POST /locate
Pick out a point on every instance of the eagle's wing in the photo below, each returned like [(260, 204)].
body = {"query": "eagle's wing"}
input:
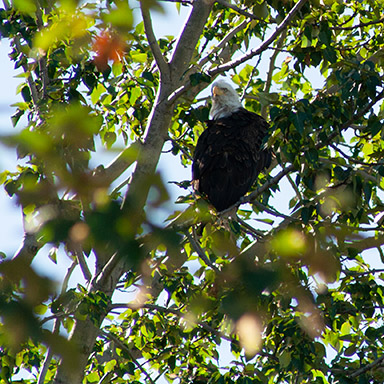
[(229, 156)]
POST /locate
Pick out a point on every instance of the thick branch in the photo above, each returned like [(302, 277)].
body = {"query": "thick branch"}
[(56, 327), (188, 39), (85, 331), (118, 166), (28, 248)]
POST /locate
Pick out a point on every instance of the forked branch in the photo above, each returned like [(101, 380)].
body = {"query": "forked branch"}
[(263, 46)]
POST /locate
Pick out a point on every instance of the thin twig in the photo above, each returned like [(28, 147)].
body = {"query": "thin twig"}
[(263, 46), (367, 367), (155, 48), (271, 68), (238, 10), (42, 61), (214, 72), (176, 312), (104, 274), (121, 345), (354, 118), (271, 211), (370, 272), (361, 25), (83, 265), (199, 250), (272, 181), (184, 2), (294, 187), (223, 42), (254, 70), (255, 232), (352, 160)]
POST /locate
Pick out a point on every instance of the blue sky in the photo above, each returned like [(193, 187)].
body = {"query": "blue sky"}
[(10, 217)]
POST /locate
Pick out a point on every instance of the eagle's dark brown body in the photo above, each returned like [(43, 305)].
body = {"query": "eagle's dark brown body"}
[(229, 156)]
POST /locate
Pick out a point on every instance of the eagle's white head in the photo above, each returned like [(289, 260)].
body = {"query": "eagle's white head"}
[(225, 100)]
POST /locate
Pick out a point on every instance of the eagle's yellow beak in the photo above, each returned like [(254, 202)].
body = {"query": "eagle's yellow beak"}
[(216, 91)]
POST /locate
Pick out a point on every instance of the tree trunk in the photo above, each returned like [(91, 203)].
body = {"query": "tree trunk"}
[(85, 332)]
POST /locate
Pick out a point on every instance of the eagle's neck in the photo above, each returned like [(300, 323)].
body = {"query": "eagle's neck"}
[(219, 111)]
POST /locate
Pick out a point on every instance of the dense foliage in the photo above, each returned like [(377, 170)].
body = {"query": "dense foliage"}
[(283, 294)]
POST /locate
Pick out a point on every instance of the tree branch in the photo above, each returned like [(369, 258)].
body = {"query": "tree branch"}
[(188, 39), (223, 43), (78, 252), (56, 327), (274, 180), (366, 368), (186, 2), (121, 345), (85, 331), (232, 64), (248, 228), (263, 46), (157, 54), (238, 10), (271, 68), (118, 166), (361, 25), (176, 312), (28, 248), (200, 251), (32, 86)]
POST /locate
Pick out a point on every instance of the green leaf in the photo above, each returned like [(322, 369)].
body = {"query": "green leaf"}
[(93, 377), (285, 359), (121, 17), (25, 6), (53, 254), (139, 57), (197, 78)]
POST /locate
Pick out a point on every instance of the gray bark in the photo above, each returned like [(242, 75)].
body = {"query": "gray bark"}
[(85, 332)]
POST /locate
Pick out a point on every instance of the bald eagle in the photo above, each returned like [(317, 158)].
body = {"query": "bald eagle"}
[(229, 154)]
